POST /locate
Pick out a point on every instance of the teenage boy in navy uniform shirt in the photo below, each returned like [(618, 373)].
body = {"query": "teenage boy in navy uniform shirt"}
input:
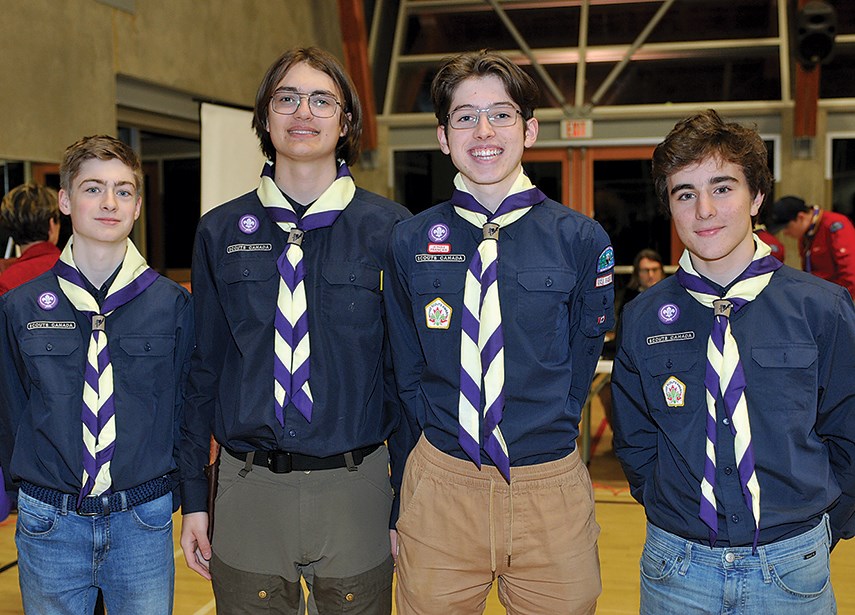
[(291, 372), (733, 398), (93, 359), (498, 303)]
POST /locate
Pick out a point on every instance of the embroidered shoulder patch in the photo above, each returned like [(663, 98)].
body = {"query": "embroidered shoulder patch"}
[(606, 260), (437, 314), (835, 226)]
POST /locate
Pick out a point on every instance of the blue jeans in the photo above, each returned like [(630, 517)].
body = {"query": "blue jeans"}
[(63, 558), (788, 577)]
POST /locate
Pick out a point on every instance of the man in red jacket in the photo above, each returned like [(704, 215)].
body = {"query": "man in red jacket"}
[(826, 239), (31, 214)]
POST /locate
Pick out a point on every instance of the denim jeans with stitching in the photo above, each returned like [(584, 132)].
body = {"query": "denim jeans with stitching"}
[(63, 558), (787, 577)]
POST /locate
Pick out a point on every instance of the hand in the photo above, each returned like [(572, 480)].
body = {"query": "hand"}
[(393, 538), (194, 542)]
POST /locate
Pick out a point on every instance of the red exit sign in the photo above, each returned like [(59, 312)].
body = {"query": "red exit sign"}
[(577, 129)]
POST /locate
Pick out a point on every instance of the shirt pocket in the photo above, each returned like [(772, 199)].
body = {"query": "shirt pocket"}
[(598, 312), (794, 364), (432, 287), (249, 292), (674, 391), (146, 362), (543, 299), (53, 363), (351, 293)]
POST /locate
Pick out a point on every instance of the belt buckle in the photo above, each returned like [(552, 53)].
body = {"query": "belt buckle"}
[(105, 507), (279, 462)]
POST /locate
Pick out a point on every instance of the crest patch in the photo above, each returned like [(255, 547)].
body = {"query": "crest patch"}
[(437, 314), (668, 313), (248, 224), (438, 233), (675, 392), (47, 301)]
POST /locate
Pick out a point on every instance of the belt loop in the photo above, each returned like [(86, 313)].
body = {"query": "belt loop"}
[(247, 467), (63, 508), (348, 460), (764, 565), (123, 496), (687, 559), (826, 521), (105, 504)]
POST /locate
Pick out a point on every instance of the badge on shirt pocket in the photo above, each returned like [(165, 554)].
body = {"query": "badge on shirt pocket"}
[(437, 314), (675, 392)]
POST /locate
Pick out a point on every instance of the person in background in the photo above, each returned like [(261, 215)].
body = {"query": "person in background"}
[(826, 239), (734, 402), (291, 370), (93, 359), (775, 245), (31, 215), (647, 270), (498, 302)]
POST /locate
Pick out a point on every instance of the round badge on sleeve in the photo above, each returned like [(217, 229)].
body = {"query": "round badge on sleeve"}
[(248, 224), (669, 313), (438, 233), (48, 301)]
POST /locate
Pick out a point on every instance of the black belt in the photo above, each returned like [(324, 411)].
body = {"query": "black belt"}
[(101, 504), (282, 462)]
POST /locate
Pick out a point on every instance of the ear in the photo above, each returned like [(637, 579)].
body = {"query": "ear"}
[(531, 128), (345, 126), (64, 202), (756, 203), (138, 207), (442, 137)]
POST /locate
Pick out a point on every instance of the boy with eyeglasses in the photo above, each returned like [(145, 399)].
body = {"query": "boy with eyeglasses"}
[(94, 355), (498, 303), (291, 371)]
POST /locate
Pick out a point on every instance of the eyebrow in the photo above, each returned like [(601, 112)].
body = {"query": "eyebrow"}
[(490, 106), (286, 88), (713, 181), (101, 182)]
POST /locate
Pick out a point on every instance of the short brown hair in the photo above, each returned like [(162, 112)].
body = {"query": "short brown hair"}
[(102, 147), (348, 146), (26, 213), (706, 135), (456, 69)]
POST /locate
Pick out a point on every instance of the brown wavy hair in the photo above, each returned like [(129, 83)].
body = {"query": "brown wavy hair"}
[(26, 212)]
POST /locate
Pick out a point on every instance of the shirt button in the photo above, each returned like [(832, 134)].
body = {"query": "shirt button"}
[(728, 470), (668, 364), (734, 518), (726, 421), (729, 557), (436, 283), (349, 597), (147, 347), (245, 272), (262, 594), (48, 346), (353, 277), (548, 282), (292, 433)]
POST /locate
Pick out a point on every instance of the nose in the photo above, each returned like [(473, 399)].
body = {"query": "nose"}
[(109, 201), (483, 128), (704, 207), (303, 109)]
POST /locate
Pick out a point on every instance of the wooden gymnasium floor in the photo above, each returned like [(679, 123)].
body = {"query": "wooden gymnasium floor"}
[(621, 519)]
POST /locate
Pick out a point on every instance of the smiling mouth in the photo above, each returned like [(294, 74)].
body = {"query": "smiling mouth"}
[(486, 153), (302, 131)]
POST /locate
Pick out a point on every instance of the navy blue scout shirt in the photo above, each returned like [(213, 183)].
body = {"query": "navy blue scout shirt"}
[(42, 361), (796, 344), (557, 301), (235, 286)]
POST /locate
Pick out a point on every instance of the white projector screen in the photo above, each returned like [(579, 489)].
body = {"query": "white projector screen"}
[(231, 159)]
